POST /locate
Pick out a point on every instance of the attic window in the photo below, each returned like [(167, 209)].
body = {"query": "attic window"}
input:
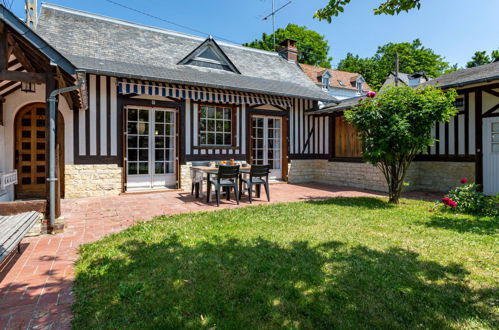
[(359, 87), (209, 55)]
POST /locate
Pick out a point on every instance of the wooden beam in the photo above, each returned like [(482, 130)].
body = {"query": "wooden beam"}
[(2, 100), (4, 58), (61, 83), (491, 111), (492, 92), (19, 54), (478, 138), (22, 76)]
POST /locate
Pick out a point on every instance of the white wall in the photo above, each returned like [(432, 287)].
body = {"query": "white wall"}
[(13, 103)]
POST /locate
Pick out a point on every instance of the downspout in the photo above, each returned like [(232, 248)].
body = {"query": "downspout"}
[(52, 148)]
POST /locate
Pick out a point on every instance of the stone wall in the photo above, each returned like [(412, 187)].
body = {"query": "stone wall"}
[(421, 176), (440, 176), (92, 180)]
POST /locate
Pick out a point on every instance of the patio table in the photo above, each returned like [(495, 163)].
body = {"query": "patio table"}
[(209, 170)]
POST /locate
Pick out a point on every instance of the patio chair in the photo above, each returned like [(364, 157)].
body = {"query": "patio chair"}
[(197, 177), (227, 177), (259, 175)]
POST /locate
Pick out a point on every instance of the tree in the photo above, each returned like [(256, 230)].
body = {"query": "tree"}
[(413, 57), (481, 58), (313, 47), (396, 125), (389, 7)]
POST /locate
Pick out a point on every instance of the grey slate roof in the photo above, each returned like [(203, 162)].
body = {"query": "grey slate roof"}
[(463, 77), (105, 45)]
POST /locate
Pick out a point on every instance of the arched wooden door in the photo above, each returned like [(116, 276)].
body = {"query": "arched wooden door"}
[(30, 151)]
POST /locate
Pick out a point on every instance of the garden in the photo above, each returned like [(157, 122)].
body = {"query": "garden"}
[(345, 263)]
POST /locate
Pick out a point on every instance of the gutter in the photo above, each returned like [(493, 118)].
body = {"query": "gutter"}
[(471, 82), (52, 100)]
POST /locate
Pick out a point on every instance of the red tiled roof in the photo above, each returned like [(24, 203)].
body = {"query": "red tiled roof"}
[(314, 73)]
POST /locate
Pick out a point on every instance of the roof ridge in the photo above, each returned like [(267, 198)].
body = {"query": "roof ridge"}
[(148, 27)]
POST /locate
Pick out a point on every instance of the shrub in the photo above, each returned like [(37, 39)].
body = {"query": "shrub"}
[(468, 199)]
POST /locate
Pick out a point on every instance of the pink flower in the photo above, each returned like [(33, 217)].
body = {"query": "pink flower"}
[(446, 200), (371, 94), (452, 204), (464, 180)]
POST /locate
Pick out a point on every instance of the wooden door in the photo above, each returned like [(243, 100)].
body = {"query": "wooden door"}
[(30, 153)]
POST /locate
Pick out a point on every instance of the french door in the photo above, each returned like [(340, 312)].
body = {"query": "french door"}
[(150, 148), (266, 141)]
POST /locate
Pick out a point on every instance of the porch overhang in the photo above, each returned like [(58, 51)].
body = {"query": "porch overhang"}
[(201, 94)]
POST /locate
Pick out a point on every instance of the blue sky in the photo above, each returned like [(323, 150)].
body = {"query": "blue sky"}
[(453, 28)]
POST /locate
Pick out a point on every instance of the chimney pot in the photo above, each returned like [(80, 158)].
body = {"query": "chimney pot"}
[(289, 50)]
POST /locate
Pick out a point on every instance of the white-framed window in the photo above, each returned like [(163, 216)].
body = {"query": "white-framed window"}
[(325, 81), (215, 125), (359, 87), (495, 137)]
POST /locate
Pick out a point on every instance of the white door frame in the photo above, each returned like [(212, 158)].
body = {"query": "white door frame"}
[(275, 174), (151, 180)]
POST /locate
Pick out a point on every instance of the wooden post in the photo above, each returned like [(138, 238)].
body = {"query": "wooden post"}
[(479, 142)]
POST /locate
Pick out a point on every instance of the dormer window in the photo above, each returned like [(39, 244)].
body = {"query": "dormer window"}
[(325, 82), (359, 87), (209, 55)]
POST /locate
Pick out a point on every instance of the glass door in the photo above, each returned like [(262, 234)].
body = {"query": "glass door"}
[(150, 151), (267, 144)]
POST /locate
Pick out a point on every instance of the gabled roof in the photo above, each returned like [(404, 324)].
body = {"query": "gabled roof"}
[(106, 45), (348, 79), (480, 74), (209, 54), (34, 39)]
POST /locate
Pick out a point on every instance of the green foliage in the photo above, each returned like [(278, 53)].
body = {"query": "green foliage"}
[(389, 7), (313, 47), (396, 125), (471, 201), (413, 57), (481, 58)]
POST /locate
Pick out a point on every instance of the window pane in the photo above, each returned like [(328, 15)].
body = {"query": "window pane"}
[(227, 139), (144, 142), (144, 115), (495, 147), (219, 113), (227, 113), (202, 112), (219, 139), (160, 142), (211, 138), (143, 155), (495, 127), (132, 128), (132, 142), (132, 155), (132, 115), (211, 112), (202, 125), (143, 168), (143, 128), (132, 168), (219, 126), (202, 138), (159, 155), (160, 129), (160, 116), (159, 168), (495, 137), (227, 125)]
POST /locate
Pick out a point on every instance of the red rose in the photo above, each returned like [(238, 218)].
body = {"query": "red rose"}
[(464, 180), (452, 204), (371, 94), (446, 200)]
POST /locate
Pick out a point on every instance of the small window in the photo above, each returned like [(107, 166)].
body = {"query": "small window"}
[(495, 137), (359, 87), (325, 82), (342, 84), (215, 126), (459, 103)]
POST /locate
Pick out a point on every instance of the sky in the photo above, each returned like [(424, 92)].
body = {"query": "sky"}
[(454, 29)]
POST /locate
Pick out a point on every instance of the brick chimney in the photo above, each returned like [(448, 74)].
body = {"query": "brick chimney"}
[(288, 50)]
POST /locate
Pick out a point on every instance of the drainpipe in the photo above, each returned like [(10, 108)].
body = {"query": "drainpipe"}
[(80, 75)]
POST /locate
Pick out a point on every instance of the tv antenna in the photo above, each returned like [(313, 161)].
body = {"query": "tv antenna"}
[(272, 14)]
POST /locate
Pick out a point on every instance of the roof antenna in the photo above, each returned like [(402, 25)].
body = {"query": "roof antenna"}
[(31, 10), (273, 17)]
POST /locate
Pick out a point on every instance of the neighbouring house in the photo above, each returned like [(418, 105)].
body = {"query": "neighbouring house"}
[(467, 146), (339, 84), (157, 101), (412, 80)]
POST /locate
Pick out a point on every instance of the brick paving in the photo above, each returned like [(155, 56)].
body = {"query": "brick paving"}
[(36, 286)]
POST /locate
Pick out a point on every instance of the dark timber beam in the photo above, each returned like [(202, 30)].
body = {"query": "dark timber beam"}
[(19, 54), (4, 49), (22, 76)]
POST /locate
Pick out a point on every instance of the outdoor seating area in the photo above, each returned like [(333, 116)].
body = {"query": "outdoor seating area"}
[(223, 178)]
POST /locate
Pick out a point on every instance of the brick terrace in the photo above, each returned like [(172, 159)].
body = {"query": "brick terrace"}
[(36, 286)]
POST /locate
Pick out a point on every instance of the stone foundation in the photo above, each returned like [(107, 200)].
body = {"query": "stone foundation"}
[(421, 176), (92, 180)]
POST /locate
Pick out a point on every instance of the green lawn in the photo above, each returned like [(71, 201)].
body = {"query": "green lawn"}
[(346, 263)]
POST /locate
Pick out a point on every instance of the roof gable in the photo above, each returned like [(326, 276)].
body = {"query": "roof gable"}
[(209, 55)]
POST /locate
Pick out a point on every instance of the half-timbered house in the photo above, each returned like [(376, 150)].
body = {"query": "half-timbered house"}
[(466, 146), (157, 100)]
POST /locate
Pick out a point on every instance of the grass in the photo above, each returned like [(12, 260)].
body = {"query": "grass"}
[(346, 263)]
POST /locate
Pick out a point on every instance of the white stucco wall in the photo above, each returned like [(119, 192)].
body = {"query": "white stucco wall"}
[(13, 103)]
